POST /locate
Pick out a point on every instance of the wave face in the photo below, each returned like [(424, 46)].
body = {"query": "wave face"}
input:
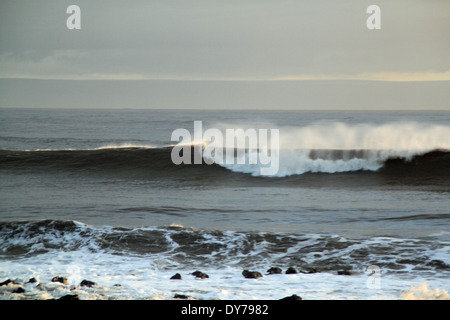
[(407, 150), (156, 162), (298, 162)]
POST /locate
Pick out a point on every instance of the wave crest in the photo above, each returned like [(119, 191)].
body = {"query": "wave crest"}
[(318, 148)]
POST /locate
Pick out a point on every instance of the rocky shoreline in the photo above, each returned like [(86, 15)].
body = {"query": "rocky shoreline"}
[(21, 287)]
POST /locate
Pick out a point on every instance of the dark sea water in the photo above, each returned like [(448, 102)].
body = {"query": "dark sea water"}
[(93, 194)]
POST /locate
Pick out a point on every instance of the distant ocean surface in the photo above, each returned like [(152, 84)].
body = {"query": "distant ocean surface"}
[(359, 206)]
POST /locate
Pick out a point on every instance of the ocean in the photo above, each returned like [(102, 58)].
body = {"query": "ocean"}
[(359, 206)]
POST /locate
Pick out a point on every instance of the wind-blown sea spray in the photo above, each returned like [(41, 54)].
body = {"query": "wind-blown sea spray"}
[(340, 147)]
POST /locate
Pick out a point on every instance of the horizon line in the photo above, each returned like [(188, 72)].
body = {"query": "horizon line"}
[(374, 76), (225, 109)]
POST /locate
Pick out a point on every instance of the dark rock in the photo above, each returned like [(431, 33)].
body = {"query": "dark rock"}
[(69, 297), (344, 273), (291, 270), (293, 297), (32, 280), (251, 274), (7, 282), (274, 271), (117, 285), (87, 283), (176, 276), (180, 296), (19, 290), (60, 279), (199, 274)]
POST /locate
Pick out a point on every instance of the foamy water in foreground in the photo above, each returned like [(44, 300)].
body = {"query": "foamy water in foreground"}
[(119, 278), (138, 264)]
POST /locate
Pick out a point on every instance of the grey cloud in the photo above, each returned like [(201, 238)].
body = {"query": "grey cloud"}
[(231, 38), (212, 39)]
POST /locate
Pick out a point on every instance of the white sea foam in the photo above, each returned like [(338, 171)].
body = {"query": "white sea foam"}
[(362, 147), (125, 146), (423, 292), (147, 275), (104, 147), (134, 278)]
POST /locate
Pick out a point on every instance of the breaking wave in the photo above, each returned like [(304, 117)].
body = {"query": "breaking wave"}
[(394, 149), (157, 162)]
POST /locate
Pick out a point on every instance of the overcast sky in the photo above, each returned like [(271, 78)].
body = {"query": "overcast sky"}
[(223, 40)]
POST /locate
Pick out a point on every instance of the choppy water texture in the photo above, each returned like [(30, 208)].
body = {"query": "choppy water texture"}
[(94, 195)]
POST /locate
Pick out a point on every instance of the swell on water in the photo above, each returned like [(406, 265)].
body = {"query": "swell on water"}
[(394, 149), (292, 162)]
